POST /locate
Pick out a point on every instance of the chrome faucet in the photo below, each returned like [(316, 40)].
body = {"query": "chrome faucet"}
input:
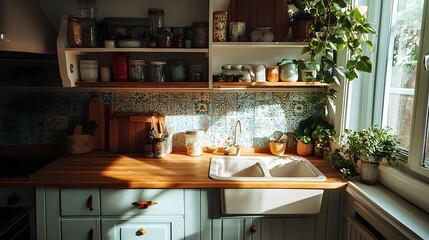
[(234, 144)]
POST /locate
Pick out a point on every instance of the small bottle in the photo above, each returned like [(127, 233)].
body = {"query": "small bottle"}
[(194, 142), (188, 36)]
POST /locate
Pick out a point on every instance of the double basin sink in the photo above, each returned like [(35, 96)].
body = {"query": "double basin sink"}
[(267, 201), (264, 168)]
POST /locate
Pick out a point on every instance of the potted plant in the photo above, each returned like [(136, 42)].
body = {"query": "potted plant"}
[(337, 26), (310, 132), (301, 20), (321, 135), (370, 146), (307, 70)]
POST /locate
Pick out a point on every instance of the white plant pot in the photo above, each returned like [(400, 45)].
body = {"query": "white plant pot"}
[(368, 172)]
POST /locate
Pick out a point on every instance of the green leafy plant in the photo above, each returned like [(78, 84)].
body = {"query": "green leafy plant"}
[(374, 144), (300, 13), (321, 136), (337, 26), (312, 128)]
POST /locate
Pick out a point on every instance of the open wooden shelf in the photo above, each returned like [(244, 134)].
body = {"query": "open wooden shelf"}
[(268, 84), (145, 84)]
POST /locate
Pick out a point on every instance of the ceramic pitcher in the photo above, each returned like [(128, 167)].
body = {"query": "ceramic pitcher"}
[(288, 71)]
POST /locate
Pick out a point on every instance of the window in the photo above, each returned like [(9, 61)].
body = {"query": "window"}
[(405, 95)]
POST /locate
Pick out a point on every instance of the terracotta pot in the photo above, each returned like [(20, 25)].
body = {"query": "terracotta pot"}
[(368, 172), (300, 30), (304, 149)]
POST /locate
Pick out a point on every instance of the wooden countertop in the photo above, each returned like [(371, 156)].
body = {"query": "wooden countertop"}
[(101, 169)]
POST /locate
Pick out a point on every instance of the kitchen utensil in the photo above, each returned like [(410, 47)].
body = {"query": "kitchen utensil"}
[(100, 113), (127, 131)]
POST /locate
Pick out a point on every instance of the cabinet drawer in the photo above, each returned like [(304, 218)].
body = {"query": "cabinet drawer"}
[(80, 202), (154, 228), (80, 229), (119, 202)]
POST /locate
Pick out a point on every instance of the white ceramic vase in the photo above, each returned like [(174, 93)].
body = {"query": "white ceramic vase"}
[(262, 34)]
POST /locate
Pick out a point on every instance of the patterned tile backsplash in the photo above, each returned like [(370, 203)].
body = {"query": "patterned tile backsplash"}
[(43, 117)]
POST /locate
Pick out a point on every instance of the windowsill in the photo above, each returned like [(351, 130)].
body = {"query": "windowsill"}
[(390, 213)]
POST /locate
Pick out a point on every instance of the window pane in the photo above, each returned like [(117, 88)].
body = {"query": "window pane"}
[(401, 75)]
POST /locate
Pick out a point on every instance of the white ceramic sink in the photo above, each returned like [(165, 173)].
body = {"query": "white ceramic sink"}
[(267, 201), (264, 168)]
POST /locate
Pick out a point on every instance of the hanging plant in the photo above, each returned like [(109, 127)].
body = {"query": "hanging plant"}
[(338, 26)]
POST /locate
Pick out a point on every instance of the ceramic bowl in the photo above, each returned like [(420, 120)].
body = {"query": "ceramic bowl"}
[(129, 43)]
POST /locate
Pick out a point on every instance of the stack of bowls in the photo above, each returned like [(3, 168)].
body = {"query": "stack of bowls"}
[(89, 70)]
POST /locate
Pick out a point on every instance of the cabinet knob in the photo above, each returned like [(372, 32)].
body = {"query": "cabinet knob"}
[(253, 228), (91, 234), (144, 204), (89, 203), (141, 232)]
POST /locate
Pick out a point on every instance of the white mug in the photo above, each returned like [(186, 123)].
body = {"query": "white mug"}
[(108, 43)]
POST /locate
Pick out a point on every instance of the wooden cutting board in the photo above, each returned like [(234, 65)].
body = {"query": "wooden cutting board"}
[(100, 113), (257, 13), (127, 131)]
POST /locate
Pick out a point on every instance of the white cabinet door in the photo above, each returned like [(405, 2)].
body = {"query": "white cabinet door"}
[(232, 229), (80, 229), (83, 202), (153, 228), (286, 228)]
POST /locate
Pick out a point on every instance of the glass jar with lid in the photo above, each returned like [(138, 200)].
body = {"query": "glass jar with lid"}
[(165, 37), (156, 19), (157, 71), (194, 142), (137, 70), (200, 34)]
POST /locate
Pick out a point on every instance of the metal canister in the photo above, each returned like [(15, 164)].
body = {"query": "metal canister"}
[(120, 67), (200, 34), (220, 24)]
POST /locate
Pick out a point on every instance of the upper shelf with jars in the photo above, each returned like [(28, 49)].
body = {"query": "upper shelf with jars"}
[(192, 39)]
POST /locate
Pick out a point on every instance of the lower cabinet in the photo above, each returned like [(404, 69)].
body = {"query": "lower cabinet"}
[(264, 228), (171, 214)]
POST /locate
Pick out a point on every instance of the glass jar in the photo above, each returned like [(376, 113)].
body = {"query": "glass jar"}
[(138, 71), (157, 71), (88, 24), (165, 37), (74, 32), (194, 142), (156, 19), (227, 72), (200, 34)]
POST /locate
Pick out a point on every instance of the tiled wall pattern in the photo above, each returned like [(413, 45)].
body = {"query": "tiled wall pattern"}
[(42, 117)]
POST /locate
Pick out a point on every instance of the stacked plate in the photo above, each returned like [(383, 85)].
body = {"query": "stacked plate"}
[(89, 70)]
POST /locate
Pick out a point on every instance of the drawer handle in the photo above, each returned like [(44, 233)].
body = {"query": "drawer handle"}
[(144, 204), (141, 232), (89, 203), (253, 228), (91, 234)]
